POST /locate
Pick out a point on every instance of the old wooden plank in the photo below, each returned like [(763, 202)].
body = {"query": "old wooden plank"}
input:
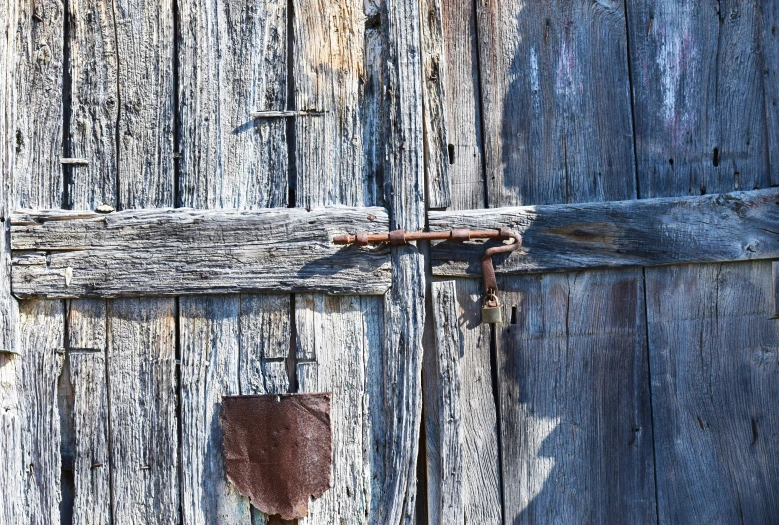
[(329, 65), (265, 343), (144, 35), (769, 38), (142, 397), (89, 411), (556, 98), (232, 62), (41, 345), (576, 426), (480, 476), (448, 342), (209, 329), (698, 95), (714, 363), (34, 107), (452, 107), (32, 116), (13, 508), (333, 344), (434, 88), (94, 104), (266, 330), (184, 251), (232, 159), (647, 232), (775, 274), (400, 393)]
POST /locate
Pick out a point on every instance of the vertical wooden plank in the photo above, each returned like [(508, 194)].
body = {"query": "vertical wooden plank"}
[(329, 67), (144, 35), (769, 33), (32, 116), (452, 106), (434, 88), (232, 62), (480, 466), (41, 344), (332, 350), (89, 412), (775, 274), (12, 467), (714, 363), (210, 354), (576, 425), (265, 327), (142, 397), (35, 103), (94, 104), (555, 91), (122, 125), (450, 413), (400, 394), (698, 97)]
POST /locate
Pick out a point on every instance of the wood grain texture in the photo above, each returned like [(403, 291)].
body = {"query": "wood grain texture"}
[(42, 350), (714, 363), (12, 423), (94, 104), (330, 60), (142, 396), (463, 105), (434, 87), (700, 119), (576, 426), (769, 36), (210, 359), (775, 273), (232, 62), (32, 114), (34, 106), (646, 232), (89, 411), (446, 312), (144, 134), (185, 251), (556, 98), (335, 337), (400, 392)]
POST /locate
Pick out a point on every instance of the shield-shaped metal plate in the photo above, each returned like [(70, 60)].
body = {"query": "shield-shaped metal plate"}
[(278, 450)]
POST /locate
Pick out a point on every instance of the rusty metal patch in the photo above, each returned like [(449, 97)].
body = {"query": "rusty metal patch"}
[(278, 449)]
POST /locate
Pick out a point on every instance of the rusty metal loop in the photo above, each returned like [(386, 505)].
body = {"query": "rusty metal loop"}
[(487, 269)]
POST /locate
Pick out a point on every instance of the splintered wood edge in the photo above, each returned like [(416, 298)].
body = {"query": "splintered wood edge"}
[(651, 232)]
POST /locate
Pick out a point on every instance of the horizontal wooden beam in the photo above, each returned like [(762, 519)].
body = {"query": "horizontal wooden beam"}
[(650, 232), (68, 254)]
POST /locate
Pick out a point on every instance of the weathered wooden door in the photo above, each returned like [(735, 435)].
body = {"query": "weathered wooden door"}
[(111, 386), (637, 394), (172, 176)]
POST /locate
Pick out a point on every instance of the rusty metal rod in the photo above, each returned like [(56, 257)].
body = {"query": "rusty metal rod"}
[(403, 237)]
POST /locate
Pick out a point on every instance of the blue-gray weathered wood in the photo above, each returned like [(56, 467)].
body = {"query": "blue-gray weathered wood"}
[(575, 437)]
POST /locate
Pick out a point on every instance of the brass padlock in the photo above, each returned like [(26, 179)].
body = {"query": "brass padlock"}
[(490, 311)]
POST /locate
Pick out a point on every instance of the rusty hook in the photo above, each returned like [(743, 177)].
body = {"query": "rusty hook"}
[(487, 269)]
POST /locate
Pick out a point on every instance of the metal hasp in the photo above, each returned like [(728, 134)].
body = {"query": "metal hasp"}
[(278, 450), (490, 312)]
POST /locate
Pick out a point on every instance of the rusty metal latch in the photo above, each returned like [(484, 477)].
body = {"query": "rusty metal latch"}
[(491, 312)]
